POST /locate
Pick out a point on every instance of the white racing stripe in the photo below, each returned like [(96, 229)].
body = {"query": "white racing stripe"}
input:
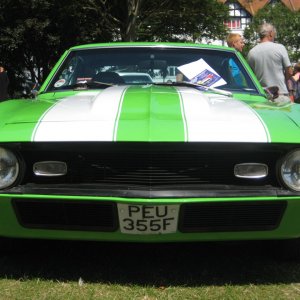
[(86, 116), (217, 118)]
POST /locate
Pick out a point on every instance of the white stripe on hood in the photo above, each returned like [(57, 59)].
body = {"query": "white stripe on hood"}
[(87, 116), (217, 118)]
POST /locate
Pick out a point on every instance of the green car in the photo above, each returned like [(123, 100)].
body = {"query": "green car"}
[(200, 152)]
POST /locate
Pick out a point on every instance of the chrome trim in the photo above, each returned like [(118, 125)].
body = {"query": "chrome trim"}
[(260, 172), (55, 168)]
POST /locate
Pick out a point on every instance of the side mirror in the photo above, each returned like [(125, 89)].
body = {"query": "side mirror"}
[(273, 95), (35, 90), (272, 92), (34, 93)]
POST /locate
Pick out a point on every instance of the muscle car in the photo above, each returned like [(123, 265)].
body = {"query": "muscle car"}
[(198, 153)]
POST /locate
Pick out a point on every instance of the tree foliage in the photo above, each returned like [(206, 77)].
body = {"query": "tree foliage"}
[(164, 20), (185, 20), (287, 24), (34, 33)]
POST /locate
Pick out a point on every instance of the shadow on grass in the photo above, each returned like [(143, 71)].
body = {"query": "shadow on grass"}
[(191, 264)]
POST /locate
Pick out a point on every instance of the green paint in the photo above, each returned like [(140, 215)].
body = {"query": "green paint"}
[(19, 117), (148, 113), (289, 226), (282, 120), (151, 114)]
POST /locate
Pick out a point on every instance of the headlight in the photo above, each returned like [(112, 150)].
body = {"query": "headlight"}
[(9, 168), (290, 170)]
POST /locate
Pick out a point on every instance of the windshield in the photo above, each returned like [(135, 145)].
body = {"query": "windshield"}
[(102, 67)]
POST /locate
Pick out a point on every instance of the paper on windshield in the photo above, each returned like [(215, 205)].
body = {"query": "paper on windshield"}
[(200, 72)]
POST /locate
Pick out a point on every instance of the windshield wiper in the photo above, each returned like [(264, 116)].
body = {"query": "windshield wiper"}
[(196, 85), (85, 85)]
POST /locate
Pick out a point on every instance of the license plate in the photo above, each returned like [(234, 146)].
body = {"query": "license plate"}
[(147, 219)]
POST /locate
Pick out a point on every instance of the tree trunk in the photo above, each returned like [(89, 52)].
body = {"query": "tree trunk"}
[(133, 7)]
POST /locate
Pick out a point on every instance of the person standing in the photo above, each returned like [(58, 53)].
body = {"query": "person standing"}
[(4, 81), (294, 84), (270, 61), (236, 41)]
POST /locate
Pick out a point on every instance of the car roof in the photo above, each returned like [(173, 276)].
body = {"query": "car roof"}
[(151, 44)]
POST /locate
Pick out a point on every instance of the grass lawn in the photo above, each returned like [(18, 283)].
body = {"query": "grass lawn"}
[(76, 270)]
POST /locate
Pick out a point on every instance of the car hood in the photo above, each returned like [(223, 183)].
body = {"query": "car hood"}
[(149, 113)]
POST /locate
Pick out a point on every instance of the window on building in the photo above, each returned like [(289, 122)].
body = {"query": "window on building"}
[(233, 24), (239, 17)]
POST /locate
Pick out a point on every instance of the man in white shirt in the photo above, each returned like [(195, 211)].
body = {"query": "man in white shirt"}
[(270, 61)]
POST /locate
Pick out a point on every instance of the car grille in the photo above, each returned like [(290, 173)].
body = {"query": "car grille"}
[(151, 165), (231, 216), (66, 215), (101, 216)]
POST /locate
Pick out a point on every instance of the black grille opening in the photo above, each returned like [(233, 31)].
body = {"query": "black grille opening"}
[(231, 216), (136, 165), (66, 215), (193, 217)]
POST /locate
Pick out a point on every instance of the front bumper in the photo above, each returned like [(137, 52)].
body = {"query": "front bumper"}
[(200, 219)]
